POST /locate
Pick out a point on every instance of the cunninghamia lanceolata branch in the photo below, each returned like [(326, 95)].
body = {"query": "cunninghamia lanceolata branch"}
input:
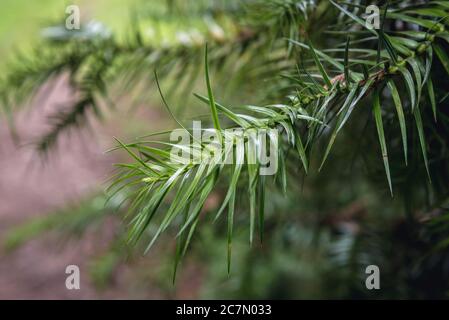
[(324, 88), (317, 102)]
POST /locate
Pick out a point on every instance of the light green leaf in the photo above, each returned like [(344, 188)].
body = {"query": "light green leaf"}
[(338, 126), (320, 66), (422, 139), (400, 112), (431, 93), (353, 16), (410, 85), (377, 112), (211, 99), (442, 56)]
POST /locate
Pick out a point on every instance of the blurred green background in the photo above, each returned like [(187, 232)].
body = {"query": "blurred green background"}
[(321, 234)]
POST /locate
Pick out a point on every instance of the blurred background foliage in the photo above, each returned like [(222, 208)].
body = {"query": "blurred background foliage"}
[(322, 232)]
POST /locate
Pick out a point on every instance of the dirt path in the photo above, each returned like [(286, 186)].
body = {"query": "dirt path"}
[(29, 188)]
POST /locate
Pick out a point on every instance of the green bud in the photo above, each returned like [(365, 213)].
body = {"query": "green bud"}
[(393, 69), (421, 48), (401, 63)]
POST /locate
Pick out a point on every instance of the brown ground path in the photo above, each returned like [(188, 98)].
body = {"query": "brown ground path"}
[(29, 189)]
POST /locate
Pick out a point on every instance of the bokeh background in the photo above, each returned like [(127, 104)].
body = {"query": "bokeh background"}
[(35, 191)]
